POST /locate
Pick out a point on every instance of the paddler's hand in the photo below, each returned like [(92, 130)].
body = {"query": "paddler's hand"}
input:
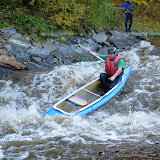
[(88, 50), (112, 78), (125, 12)]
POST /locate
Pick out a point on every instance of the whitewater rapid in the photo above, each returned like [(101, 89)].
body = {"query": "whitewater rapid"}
[(131, 118)]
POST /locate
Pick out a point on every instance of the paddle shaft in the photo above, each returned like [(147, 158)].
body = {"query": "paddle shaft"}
[(91, 53)]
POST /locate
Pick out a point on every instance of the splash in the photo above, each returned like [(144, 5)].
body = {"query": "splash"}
[(133, 116)]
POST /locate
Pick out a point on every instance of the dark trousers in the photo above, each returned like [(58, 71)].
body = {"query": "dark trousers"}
[(129, 16), (106, 83)]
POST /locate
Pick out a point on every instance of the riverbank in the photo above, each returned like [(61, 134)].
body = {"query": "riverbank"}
[(18, 52)]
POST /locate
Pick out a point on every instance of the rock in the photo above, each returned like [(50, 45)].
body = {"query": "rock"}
[(63, 59), (140, 36), (72, 40), (67, 50), (50, 46), (21, 55), (11, 63), (119, 43), (39, 56), (103, 50), (8, 31), (90, 44), (19, 42), (21, 38), (100, 38), (8, 47), (40, 66), (117, 34), (2, 40), (41, 52), (3, 52)]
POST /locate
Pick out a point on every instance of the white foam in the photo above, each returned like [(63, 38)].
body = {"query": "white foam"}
[(1, 153), (20, 103)]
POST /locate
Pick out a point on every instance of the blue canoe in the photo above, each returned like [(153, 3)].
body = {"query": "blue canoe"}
[(87, 99)]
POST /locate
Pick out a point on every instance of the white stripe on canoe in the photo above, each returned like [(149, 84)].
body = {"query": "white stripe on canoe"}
[(91, 92)]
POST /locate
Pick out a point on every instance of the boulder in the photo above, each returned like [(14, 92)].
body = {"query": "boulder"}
[(100, 38), (11, 63), (21, 55), (50, 46), (8, 31)]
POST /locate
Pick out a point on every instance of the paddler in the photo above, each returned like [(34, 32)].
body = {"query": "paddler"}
[(114, 69), (127, 9)]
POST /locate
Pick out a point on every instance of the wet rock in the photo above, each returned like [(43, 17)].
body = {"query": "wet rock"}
[(67, 49), (20, 55), (41, 66), (21, 38), (3, 52), (11, 63), (40, 52), (18, 43), (8, 47), (90, 44), (155, 51), (103, 50), (2, 40), (8, 31), (117, 34), (39, 56), (120, 43), (50, 46), (73, 40), (3, 71), (100, 38), (63, 59)]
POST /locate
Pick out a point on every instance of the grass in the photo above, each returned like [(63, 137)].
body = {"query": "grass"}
[(141, 24), (26, 24), (146, 25)]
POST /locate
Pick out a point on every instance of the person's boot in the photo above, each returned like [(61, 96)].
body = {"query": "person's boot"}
[(126, 28), (129, 28)]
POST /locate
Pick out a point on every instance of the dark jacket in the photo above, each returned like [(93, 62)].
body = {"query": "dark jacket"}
[(127, 6)]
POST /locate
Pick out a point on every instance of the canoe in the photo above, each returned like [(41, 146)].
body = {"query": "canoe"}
[(87, 99)]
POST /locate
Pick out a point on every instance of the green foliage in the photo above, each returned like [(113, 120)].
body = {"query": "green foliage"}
[(29, 22), (29, 16), (102, 13), (62, 13), (5, 2), (77, 14)]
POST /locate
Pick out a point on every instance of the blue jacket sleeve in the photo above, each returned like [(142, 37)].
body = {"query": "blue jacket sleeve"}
[(125, 4), (132, 5)]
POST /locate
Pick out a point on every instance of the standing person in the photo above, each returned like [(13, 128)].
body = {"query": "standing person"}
[(114, 69), (127, 9)]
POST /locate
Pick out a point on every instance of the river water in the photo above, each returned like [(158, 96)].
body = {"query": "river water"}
[(129, 124)]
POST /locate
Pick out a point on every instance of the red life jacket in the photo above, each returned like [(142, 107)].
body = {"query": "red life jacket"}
[(112, 66)]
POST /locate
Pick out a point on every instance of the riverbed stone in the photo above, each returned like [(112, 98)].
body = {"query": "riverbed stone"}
[(50, 46), (3, 52), (8, 31), (66, 51), (18, 43), (103, 50), (41, 52), (119, 43), (21, 55), (100, 38), (2, 40), (11, 63), (63, 59)]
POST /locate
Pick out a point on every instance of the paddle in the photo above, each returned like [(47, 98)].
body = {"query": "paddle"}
[(91, 53)]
